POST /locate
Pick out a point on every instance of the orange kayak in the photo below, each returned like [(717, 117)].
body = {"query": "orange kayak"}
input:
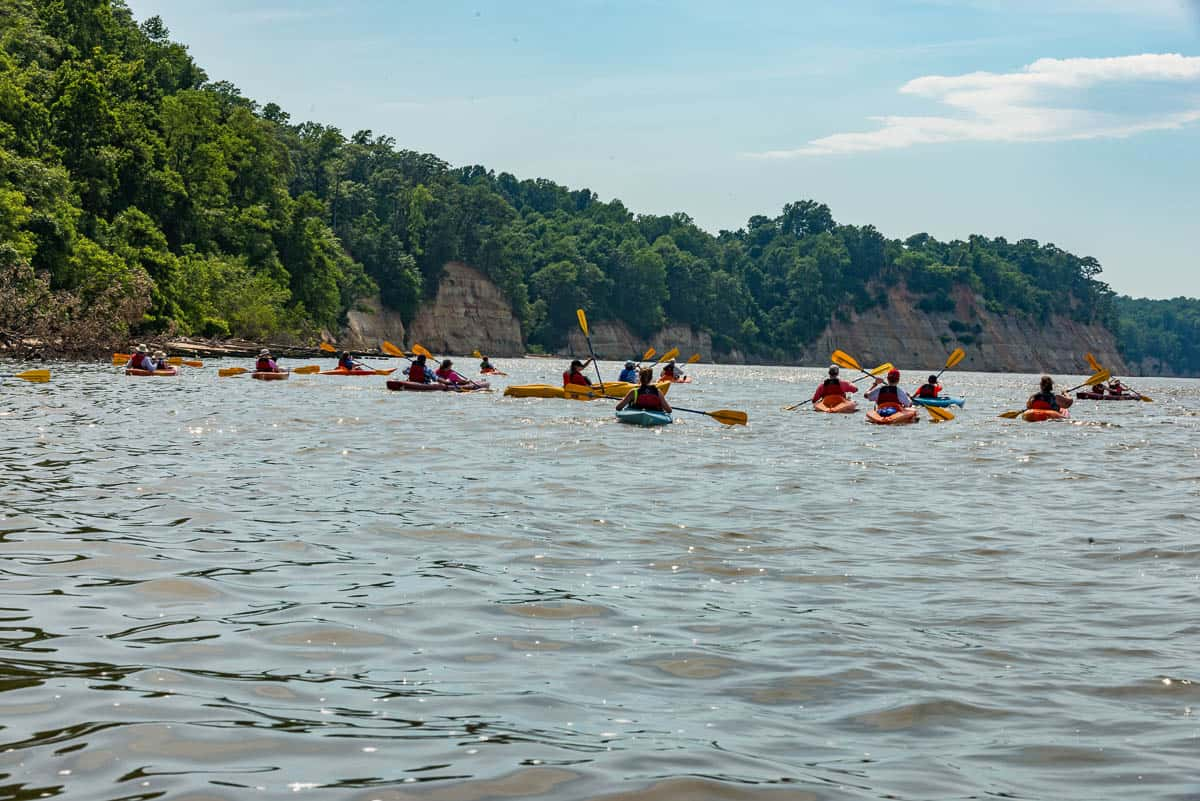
[(1041, 415), (836, 404), (899, 417), (131, 371), (270, 376)]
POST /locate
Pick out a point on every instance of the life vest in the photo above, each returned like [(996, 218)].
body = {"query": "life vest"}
[(1044, 400), (416, 373), (669, 371), (449, 375), (647, 398), (889, 395), (346, 363), (832, 386), (929, 390), (576, 378), (264, 366), (161, 364)]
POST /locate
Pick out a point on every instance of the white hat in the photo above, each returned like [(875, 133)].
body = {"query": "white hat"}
[(264, 352)]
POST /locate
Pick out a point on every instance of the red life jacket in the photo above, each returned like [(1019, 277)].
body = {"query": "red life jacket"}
[(346, 363), (416, 373), (647, 398), (1044, 400), (576, 378), (140, 361), (264, 366), (889, 395), (669, 370), (929, 390)]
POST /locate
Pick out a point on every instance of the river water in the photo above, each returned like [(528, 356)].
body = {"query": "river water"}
[(225, 589)]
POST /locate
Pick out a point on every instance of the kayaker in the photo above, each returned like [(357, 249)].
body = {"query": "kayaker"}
[(486, 366), (575, 374), (140, 360), (160, 360), (1047, 398), (630, 374), (890, 395), (448, 375), (1115, 387), (931, 389), (419, 372), (833, 386), (671, 372), (346, 362), (266, 364), (645, 395)]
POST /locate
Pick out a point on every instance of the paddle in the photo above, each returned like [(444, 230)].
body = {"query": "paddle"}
[(648, 355), (666, 357), (309, 370), (325, 346), (420, 350), (392, 350), (32, 376), (229, 372), (843, 359), (587, 335), (728, 417), (695, 357), (119, 359), (938, 414), (1095, 365), (1099, 377), (883, 368)]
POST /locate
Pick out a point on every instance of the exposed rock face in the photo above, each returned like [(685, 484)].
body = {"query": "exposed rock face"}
[(469, 312), (918, 340), (366, 329)]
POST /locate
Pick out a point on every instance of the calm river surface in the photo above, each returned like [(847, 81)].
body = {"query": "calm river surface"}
[(228, 589)]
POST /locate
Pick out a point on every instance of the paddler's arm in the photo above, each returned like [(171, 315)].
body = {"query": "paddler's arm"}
[(625, 401)]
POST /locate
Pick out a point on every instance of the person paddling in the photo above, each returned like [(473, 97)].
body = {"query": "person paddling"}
[(486, 366), (630, 374), (930, 389), (1047, 398), (140, 360), (448, 375), (266, 363), (833, 388), (160, 360), (671, 372), (889, 398), (346, 362), (646, 395), (419, 372), (575, 374)]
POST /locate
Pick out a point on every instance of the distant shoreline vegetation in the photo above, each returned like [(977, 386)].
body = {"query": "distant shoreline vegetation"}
[(138, 196)]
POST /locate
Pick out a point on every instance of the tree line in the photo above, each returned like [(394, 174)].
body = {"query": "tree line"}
[(136, 194)]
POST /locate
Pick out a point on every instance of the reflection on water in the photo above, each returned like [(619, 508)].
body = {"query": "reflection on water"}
[(216, 586)]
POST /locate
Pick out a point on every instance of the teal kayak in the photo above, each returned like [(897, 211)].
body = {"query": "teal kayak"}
[(643, 417), (942, 401)]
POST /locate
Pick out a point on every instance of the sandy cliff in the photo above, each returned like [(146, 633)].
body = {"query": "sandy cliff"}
[(371, 324), (469, 312)]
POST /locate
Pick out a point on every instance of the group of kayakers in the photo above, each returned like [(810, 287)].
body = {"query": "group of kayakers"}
[(141, 359), (631, 374), (420, 372)]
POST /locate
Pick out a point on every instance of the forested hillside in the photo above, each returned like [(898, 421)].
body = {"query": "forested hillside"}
[(135, 192), (1160, 336)]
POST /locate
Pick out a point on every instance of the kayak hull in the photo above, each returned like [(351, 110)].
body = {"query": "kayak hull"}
[(612, 389), (839, 405), (687, 379), (1106, 397), (899, 418), (340, 371), (277, 376), (643, 417), (131, 371), (492, 372), (1042, 415), (414, 386), (941, 402)]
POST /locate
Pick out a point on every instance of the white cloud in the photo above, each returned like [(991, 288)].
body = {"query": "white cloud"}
[(1048, 101)]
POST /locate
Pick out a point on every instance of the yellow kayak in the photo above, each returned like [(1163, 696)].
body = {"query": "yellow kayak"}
[(612, 389)]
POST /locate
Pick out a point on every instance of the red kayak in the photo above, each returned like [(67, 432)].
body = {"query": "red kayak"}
[(1042, 415), (132, 371), (1106, 397), (416, 386), (897, 418)]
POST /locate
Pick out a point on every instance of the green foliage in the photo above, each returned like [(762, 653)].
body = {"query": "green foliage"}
[(1160, 335)]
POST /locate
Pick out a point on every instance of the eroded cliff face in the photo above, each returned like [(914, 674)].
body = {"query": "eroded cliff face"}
[(614, 340), (916, 340), (469, 312), (371, 325)]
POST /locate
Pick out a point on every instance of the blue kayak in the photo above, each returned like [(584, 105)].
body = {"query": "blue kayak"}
[(942, 401), (643, 417)]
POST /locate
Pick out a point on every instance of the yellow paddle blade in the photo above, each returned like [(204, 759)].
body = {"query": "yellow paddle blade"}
[(120, 358), (421, 351), (392, 350), (955, 357), (309, 370), (729, 417), (695, 357), (939, 415), (1013, 415), (843, 359), (477, 354), (666, 357), (190, 363), (325, 346), (1098, 378), (34, 376), (226, 372), (1146, 399), (649, 354), (1091, 360), (175, 360), (883, 368), (582, 321)]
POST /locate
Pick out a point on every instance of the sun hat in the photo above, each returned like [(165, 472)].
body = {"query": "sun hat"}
[(160, 354), (142, 349), (264, 352)]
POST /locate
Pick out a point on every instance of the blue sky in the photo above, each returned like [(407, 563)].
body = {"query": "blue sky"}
[(1069, 121)]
